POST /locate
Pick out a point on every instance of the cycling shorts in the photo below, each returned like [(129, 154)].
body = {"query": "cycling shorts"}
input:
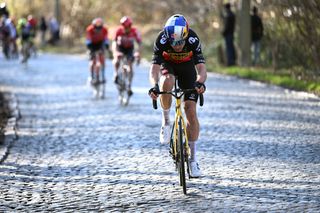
[(186, 74), (127, 52), (95, 48)]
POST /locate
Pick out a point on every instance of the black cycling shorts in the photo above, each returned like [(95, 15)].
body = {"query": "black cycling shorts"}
[(186, 74), (127, 52), (95, 48)]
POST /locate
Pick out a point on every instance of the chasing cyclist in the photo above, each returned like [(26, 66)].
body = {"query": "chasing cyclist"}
[(123, 46), (97, 40), (177, 52)]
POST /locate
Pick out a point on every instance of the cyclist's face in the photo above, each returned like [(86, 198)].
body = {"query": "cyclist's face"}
[(127, 29), (178, 48)]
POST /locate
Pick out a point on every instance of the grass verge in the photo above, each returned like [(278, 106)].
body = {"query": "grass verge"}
[(283, 79)]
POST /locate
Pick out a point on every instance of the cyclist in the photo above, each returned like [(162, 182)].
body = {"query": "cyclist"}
[(123, 46), (177, 52), (97, 40)]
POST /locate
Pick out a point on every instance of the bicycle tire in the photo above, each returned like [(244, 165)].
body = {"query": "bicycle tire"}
[(123, 86), (181, 156)]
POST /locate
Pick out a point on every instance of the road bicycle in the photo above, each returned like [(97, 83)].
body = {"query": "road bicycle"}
[(179, 147), (123, 81), (98, 78)]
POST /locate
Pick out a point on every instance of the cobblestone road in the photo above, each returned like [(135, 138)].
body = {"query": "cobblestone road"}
[(259, 147)]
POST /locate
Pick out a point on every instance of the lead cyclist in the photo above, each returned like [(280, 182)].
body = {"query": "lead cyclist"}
[(177, 52)]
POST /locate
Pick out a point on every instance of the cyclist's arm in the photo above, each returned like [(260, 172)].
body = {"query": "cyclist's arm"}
[(154, 74), (201, 72), (157, 60)]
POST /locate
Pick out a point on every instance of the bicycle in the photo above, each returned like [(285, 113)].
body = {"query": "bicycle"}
[(98, 80), (179, 147), (123, 81)]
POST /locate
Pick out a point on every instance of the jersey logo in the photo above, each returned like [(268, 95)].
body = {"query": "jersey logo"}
[(177, 57), (192, 40), (163, 40)]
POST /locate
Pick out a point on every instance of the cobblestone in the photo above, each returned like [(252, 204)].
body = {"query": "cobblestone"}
[(259, 146)]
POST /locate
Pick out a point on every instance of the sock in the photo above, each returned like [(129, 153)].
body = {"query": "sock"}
[(193, 149), (165, 117)]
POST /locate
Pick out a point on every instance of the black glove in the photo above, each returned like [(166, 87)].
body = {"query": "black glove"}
[(154, 90), (106, 46), (199, 85), (90, 46)]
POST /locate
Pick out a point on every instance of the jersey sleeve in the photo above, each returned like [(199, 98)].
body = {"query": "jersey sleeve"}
[(117, 33), (195, 44), (157, 57)]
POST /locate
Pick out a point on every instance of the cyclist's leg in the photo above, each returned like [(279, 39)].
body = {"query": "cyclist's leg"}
[(166, 84), (91, 63), (102, 64), (130, 58), (192, 120), (186, 79), (117, 56)]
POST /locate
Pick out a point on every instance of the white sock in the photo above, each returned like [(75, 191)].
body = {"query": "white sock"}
[(193, 149), (165, 117)]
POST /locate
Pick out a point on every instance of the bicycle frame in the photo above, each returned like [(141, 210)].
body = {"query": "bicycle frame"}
[(179, 120), (98, 74), (98, 64)]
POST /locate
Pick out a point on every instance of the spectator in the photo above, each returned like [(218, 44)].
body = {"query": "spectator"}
[(43, 29), (228, 31), (54, 31), (256, 35), (3, 10)]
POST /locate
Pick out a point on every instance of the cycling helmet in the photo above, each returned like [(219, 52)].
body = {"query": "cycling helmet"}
[(176, 29), (22, 21), (126, 21), (97, 22)]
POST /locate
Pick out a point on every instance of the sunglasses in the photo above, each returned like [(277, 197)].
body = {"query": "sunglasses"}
[(177, 43)]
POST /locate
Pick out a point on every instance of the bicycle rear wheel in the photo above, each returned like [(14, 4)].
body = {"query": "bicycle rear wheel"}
[(181, 163)]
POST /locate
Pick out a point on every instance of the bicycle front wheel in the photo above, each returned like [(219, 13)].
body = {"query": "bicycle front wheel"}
[(181, 163)]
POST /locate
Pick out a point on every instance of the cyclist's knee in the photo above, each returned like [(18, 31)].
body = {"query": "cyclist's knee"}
[(166, 82), (190, 109)]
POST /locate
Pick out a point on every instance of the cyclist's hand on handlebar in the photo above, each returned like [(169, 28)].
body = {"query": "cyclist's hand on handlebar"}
[(200, 87), (154, 92)]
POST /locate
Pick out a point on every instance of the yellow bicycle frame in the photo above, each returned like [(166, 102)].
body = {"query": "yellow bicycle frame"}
[(178, 115)]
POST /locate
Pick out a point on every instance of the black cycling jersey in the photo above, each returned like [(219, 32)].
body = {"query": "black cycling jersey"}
[(163, 52), (180, 64)]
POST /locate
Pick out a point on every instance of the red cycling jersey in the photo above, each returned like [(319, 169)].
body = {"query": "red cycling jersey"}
[(126, 40), (96, 36)]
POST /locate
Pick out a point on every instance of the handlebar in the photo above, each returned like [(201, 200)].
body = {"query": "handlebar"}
[(178, 93)]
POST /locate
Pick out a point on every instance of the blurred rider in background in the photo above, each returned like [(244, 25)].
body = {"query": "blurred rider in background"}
[(123, 46), (97, 40)]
